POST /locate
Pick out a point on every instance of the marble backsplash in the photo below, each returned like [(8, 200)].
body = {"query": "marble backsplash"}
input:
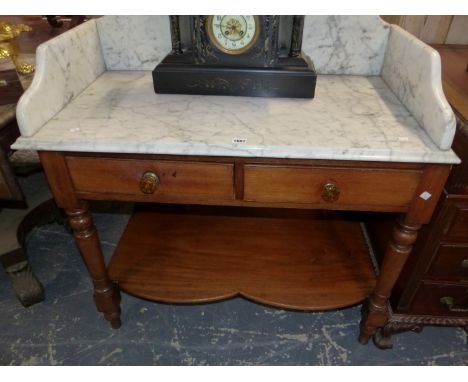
[(134, 42), (65, 66), (346, 45), (413, 71)]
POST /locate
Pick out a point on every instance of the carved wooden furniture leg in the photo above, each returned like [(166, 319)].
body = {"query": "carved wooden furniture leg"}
[(399, 323), (383, 337), (106, 295), (375, 309), (15, 226), (26, 285)]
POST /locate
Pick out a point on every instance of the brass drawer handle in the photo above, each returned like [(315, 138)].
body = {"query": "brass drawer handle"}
[(330, 192), (450, 303), (464, 263), (148, 182)]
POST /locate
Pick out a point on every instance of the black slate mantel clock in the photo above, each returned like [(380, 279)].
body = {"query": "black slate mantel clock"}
[(236, 55)]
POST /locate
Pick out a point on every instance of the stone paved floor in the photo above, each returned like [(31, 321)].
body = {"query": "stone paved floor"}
[(65, 329)]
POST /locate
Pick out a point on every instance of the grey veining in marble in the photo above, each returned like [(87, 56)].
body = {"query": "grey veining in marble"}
[(349, 45), (65, 66), (68, 64), (134, 42), (337, 44), (351, 118), (412, 70)]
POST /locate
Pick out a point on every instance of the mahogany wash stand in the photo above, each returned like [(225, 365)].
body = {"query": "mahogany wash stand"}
[(232, 185)]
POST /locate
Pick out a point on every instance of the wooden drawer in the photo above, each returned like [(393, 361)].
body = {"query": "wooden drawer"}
[(458, 228), (427, 300), (365, 188), (450, 262), (179, 181)]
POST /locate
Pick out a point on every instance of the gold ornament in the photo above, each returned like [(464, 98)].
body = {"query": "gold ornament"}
[(9, 46)]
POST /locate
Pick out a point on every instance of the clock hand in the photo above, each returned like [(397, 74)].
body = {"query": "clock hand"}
[(230, 28), (227, 26)]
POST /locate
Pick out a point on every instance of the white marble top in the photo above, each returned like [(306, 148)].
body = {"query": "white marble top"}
[(336, 44), (351, 118)]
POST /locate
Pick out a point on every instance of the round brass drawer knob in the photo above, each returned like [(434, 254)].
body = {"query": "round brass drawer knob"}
[(330, 192), (464, 263), (148, 182)]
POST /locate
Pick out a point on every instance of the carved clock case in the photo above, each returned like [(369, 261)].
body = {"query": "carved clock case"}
[(270, 64)]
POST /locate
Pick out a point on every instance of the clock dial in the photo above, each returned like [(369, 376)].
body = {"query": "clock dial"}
[(233, 34)]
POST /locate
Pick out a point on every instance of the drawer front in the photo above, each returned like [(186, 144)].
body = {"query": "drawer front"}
[(176, 180), (450, 262), (437, 299), (458, 227), (366, 188)]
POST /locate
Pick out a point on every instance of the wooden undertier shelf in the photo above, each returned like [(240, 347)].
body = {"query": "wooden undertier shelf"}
[(197, 255)]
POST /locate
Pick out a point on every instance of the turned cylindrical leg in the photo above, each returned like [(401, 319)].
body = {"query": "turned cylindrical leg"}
[(375, 310), (106, 295)]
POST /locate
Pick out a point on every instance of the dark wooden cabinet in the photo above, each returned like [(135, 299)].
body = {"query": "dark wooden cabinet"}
[(433, 286), (9, 188)]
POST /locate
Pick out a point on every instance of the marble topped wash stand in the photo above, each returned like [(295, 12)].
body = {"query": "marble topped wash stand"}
[(376, 137)]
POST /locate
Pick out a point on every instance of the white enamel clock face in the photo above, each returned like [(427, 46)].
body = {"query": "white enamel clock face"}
[(233, 34)]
